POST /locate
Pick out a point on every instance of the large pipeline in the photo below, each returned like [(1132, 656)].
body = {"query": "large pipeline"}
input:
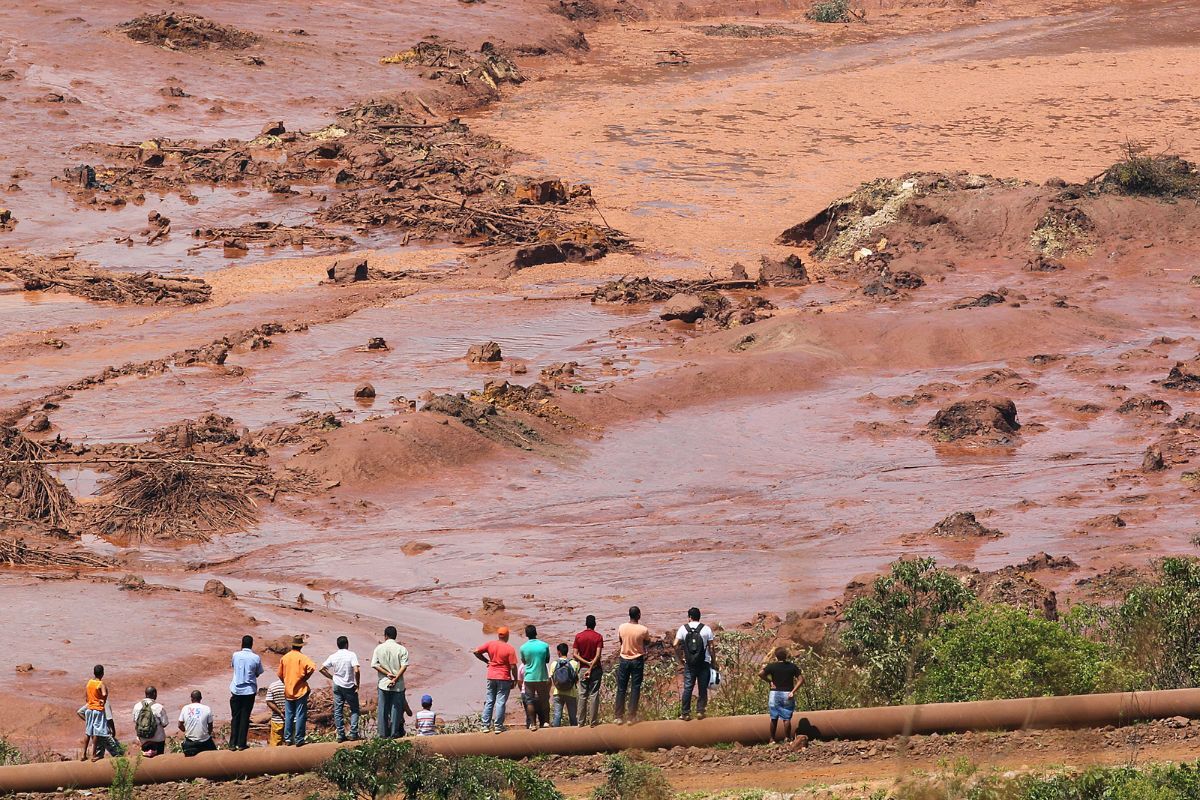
[(1078, 711)]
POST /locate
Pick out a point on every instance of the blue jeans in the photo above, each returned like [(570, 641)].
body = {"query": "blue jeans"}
[(629, 681), (345, 697), (295, 720), (692, 676), (495, 702), (559, 703), (391, 714)]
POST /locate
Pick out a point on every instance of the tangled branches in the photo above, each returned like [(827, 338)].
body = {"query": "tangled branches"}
[(29, 491)]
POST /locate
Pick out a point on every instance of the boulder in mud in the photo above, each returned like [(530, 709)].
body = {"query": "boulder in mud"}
[(365, 392), (492, 605), (273, 129), (1184, 376), (348, 270), (544, 192), (218, 589), (1152, 459), (377, 343), (1141, 404), (683, 307), (38, 423), (486, 353), (989, 419), (788, 271), (962, 525)]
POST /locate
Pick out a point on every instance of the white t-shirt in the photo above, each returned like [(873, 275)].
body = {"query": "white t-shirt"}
[(705, 633), (197, 720), (341, 665), (160, 715)]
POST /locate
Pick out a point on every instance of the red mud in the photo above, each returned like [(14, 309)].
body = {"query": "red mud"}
[(747, 469)]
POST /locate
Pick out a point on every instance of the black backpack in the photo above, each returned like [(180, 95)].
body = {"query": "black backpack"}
[(695, 649), (565, 675)]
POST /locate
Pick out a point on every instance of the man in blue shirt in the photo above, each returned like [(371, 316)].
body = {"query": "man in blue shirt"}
[(247, 666)]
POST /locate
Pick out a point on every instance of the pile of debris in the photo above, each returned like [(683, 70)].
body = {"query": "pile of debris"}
[(962, 525), (736, 31), (28, 492), (176, 31), (480, 73), (651, 290), (39, 273), (270, 235), (18, 552), (484, 418), (1184, 376)]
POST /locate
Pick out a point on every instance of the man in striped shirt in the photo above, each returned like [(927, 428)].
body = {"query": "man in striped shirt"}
[(275, 702)]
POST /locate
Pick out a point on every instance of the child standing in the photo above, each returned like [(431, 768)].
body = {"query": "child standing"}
[(427, 721)]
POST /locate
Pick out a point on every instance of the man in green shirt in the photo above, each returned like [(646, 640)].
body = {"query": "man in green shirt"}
[(390, 660), (535, 655)]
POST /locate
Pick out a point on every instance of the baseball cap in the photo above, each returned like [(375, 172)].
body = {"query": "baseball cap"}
[(502, 631), (425, 698)]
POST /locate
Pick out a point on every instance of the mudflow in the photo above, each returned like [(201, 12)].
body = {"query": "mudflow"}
[(485, 313)]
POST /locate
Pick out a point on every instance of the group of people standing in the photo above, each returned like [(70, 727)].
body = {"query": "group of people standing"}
[(565, 682)]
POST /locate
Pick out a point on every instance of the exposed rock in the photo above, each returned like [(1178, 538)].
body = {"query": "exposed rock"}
[(273, 129), (415, 548), (365, 392), (788, 271), (1141, 404), (38, 423), (1042, 263), (348, 270), (492, 605), (982, 301), (24, 669), (218, 589), (962, 525), (683, 307), (1043, 560), (1184, 376), (486, 353), (1152, 459), (542, 192), (989, 418), (377, 343)]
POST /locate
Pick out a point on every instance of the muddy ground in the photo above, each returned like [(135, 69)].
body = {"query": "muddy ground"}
[(1008, 347)]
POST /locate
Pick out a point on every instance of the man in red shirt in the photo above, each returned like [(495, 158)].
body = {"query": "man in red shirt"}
[(588, 647), (501, 659)]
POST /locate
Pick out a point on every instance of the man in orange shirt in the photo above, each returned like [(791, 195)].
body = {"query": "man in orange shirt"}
[(295, 669), (95, 695), (631, 666)]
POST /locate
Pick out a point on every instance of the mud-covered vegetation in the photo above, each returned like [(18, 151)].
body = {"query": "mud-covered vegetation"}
[(1140, 172), (829, 11)]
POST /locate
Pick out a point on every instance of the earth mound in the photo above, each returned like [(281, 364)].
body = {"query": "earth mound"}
[(962, 525), (176, 31), (989, 419)]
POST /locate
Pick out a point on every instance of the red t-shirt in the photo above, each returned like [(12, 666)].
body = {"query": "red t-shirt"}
[(502, 659), (587, 644)]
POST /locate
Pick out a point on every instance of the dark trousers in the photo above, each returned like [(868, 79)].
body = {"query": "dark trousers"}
[(538, 711), (629, 681), (191, 747), (589, 696), (240, 706), (692, 677)]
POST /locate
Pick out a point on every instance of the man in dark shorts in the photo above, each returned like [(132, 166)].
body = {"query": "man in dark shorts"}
[(785, 678)]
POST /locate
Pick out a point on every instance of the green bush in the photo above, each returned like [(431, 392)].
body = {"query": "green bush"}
[(830, 11), (380, 767), (995, 652), (122, 782), (887, 631), (9, 754), (1157, 626), (831, 680), (1164, 782), (626, 779)]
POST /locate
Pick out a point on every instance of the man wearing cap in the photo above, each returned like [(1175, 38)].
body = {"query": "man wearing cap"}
[(501, 660), (295, 669)]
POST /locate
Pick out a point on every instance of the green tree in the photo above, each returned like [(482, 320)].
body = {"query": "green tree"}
[(887, 630), (1158, 625)]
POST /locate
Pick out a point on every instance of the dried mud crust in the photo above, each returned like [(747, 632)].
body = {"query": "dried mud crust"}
[(177, 31), (40, 273)]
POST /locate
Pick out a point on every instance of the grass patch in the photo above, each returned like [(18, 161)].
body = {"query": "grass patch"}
[(1146, 174), (627, 779), (830, 11)]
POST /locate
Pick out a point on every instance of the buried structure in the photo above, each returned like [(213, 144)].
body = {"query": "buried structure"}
[(1076, 711)]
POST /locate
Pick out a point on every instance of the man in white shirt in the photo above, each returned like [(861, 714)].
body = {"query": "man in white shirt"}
[(342, 669), (150, 724), (196, 723), (694, 647)]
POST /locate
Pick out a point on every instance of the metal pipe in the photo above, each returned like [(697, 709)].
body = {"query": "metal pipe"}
[(1078, 711)]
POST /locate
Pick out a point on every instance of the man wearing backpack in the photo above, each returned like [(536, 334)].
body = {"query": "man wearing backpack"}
[(694, 647), (564, 687), (150, 724)]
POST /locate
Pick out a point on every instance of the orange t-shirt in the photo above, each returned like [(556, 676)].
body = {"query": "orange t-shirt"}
[(295, 669), (95, 699), (633, 640)]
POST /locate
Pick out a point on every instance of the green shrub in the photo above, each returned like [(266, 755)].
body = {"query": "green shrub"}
[(829, 11), (994, 652), (831, 680), (9, 754), (122, 782), (1165, 782), (626, 779), (886, 632), (1158, 625), (380, 767), (1141, 173)]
